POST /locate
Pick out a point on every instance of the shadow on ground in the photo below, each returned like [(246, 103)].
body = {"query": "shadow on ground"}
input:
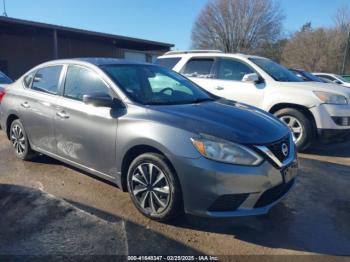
[(331, 150), (315, 217), (37, 224)]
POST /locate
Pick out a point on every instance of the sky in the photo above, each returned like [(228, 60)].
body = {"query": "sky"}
[(167, 21)]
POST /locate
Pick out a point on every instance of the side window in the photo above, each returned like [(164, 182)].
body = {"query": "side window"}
[(46, 79), (327, 77), (168, 62), (230, 69), (81, 81), (199, 67), (27, 81)]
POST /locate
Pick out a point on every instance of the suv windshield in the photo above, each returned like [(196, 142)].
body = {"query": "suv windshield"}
[(276, 71), (4, 79), (155, 85), (342, 79)]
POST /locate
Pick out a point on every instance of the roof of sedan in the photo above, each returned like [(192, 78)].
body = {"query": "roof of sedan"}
[(107, 61)]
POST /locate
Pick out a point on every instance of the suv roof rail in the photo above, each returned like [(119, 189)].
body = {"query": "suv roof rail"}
[(191, 51)]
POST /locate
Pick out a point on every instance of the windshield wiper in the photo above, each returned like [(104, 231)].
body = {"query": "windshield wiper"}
[(200, 100)]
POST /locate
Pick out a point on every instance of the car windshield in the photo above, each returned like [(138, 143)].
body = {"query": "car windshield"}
[(342, 79), (155, 85), (276, 71), (4, 79), (312, 77)]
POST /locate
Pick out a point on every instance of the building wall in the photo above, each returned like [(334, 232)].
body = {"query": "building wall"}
[(22, 48), (69, 47), (19, 51)]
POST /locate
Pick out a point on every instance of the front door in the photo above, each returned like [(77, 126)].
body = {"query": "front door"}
[(223, 77), (85, 134), (228, 82)]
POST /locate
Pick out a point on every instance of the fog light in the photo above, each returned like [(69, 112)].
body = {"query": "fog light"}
[(341, 121)]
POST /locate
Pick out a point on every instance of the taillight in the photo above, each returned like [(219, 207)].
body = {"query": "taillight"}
[(2, 94)]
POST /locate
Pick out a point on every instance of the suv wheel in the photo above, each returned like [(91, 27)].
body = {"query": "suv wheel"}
[(299, 124), (20, 141), (153, 187)]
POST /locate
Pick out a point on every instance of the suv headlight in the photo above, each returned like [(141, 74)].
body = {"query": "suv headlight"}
[(331, 98), (224, 151)]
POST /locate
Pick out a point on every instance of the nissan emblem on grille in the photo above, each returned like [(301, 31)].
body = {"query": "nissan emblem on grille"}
[(285, 149)]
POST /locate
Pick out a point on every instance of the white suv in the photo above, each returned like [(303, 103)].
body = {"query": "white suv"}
[(312, 110)]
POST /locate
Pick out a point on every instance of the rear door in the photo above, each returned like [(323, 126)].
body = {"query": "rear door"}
[(38, 106), (85, 134), (201, 71)]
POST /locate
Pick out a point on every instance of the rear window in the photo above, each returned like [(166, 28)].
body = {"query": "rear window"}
[(4, 79), (199, 67), (168, 62), (46, 79)]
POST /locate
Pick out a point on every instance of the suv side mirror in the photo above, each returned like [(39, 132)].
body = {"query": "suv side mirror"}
[(252, 78)]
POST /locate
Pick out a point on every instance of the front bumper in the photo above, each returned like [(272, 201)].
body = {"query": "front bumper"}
[(327, 136), (328, 130), (214, 189)]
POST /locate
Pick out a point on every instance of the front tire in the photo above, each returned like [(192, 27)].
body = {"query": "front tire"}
[(20, 142), (300, 125), (154, 188)]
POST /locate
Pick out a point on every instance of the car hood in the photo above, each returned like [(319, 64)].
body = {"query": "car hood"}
[(224, 119), (316, 86)]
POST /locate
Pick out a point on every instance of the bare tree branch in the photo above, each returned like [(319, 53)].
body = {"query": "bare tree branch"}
[(237, 25)]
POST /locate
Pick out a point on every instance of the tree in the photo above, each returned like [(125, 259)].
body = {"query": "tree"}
[(342, 21), (237, 25), (320, 49)]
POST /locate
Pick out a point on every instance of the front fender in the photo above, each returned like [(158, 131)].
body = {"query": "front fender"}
[(171, 141)]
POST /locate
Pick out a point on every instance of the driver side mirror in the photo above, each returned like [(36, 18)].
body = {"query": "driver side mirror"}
[(251, 78), (101, 100), (337, 82)]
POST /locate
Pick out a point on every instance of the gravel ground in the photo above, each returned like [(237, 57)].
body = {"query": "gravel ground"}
[(313, 219)]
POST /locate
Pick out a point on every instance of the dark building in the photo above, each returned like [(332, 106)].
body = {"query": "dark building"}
[(24, 44)]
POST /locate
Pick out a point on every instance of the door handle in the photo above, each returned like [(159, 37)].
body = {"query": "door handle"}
[(62, 114), (219, 88), (25, 105)]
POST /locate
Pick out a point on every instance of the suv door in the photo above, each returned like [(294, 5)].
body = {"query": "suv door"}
[(38, 106), (85, 134), (228, 82)]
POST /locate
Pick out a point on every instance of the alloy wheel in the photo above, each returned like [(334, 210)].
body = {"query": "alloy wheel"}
[(295, 126), (18, 139), (150, 187)]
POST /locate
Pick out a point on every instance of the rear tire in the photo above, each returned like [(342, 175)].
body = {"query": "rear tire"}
[(300, 125), (20, 142), (154, 187)]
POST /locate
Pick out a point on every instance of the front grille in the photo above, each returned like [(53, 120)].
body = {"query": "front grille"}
[(273, 194), (228, 202), (276, 148)]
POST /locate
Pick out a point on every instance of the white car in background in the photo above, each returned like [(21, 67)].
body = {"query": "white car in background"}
[(337, 79), (313, 111)]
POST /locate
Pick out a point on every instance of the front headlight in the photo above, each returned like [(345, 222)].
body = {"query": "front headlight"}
[(224, 151), (331, 98)]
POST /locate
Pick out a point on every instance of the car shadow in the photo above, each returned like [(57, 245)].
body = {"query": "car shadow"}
[(141, 240), (34, 224), (332, 150), (46, 160), (313, 218)]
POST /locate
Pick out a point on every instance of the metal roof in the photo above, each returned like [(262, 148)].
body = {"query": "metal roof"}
[(21, 22)]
